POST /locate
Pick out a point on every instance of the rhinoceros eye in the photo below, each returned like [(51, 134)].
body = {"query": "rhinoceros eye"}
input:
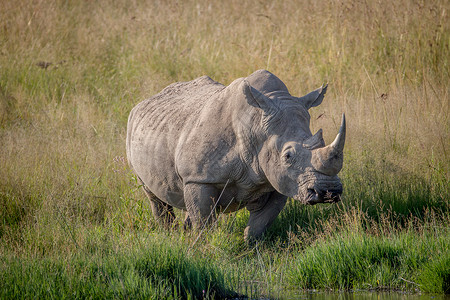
[(287, 157)]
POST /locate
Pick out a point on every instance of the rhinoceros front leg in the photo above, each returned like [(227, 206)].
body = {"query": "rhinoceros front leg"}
[(199, 200), (263, 212)]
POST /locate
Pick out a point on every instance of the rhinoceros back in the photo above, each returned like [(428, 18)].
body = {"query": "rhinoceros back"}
[(157, 125)]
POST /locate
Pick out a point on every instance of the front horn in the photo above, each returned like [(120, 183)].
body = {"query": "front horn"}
[(329, 159)]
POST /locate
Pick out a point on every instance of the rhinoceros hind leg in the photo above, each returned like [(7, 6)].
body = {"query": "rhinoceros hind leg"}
[(162, 212), (187, 222)]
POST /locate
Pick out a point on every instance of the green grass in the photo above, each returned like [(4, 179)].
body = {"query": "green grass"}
[(152, 270), (73, 220), (355, 260)]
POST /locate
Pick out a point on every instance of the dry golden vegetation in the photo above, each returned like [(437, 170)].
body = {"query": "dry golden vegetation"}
[(70, 72)]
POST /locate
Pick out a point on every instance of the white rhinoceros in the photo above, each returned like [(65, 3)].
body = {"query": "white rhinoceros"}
[(248, 143)]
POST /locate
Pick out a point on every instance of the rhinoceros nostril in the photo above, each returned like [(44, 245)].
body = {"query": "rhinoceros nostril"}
[(312, 192), (312, 197)]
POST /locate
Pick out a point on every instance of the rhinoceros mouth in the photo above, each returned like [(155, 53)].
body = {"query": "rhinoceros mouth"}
[(314, 196)]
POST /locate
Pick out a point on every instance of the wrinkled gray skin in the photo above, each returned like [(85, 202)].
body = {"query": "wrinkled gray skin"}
[(252, 137)]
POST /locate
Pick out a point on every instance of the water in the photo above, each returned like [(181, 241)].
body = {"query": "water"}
[(363, 295)]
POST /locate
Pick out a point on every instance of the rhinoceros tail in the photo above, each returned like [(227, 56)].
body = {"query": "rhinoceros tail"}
[(128, 138)]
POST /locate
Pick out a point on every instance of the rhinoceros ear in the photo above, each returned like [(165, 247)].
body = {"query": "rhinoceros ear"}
[(315, 97), (315, 141), (259, 99)]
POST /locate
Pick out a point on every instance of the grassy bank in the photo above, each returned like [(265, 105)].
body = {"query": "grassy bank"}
[(152, 271), (357, 260), (73, 221), (336, 254)]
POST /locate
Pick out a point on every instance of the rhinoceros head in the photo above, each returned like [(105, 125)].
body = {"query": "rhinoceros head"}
[(295, 162)]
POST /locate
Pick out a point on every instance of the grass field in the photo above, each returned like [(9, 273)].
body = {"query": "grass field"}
[(73, 220)]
